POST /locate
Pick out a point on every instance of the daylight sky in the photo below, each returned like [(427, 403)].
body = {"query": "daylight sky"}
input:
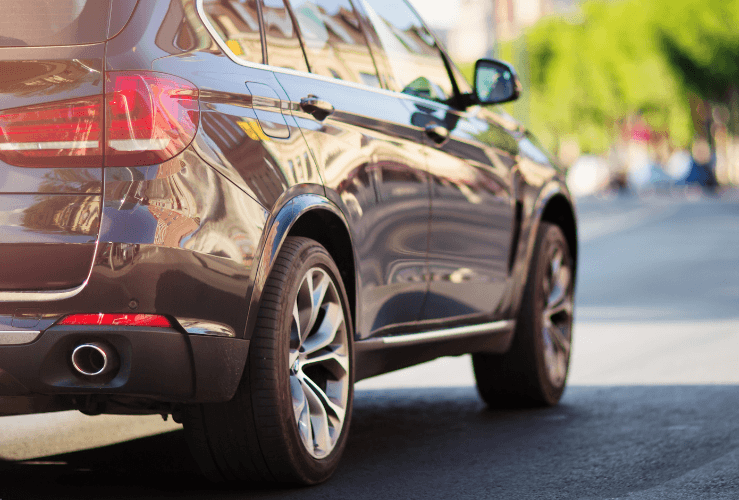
[(437, 13)]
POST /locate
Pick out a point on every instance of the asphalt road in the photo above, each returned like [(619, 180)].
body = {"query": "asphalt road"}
[(652, 410)]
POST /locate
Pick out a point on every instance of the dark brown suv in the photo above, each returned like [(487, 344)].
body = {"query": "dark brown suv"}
[(231, 210)]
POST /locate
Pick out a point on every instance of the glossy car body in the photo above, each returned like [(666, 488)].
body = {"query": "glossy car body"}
[(433, 234)]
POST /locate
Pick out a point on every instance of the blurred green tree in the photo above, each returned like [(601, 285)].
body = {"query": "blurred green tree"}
[(617, 59), (700, 40)]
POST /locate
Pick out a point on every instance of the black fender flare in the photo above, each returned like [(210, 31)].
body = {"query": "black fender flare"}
[(525, 251), (276, 230)]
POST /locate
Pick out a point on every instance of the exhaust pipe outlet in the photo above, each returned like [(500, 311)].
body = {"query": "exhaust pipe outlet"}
[(94, 359)]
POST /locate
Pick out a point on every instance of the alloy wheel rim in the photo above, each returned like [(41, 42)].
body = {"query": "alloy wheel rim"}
[(557, 316), (319, 363)]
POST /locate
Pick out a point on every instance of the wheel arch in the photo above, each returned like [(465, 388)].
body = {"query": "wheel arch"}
[(311, 216), (558, 210), (550, 204), (330, 230)]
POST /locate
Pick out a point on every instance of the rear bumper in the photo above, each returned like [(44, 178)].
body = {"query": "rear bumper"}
[(175, 239), (159, 364)]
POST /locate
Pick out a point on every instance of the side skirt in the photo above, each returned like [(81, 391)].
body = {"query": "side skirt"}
[(379, 355)]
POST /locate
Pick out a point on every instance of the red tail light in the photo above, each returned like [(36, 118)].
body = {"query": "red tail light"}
[(149, 118), (59, 133), (101, 319)]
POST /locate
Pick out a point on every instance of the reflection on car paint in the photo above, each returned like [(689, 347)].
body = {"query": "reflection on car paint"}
[(441, 232), (182, 204)]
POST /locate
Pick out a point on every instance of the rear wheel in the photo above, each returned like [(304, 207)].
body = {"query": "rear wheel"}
[(534, 371), (290, 416)]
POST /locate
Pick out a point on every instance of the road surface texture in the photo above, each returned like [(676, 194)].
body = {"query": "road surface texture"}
[(652, 410)]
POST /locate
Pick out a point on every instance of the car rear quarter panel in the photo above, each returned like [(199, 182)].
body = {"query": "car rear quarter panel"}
[(191, 230), (198, 220)]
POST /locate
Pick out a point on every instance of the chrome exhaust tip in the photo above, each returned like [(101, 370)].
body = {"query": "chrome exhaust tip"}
[(93, 359)]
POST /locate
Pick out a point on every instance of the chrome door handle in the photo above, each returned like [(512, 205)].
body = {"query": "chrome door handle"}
[(437, 133), (316, 107)]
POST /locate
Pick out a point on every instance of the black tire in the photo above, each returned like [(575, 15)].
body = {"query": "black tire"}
[(255, 436), (529, 375)]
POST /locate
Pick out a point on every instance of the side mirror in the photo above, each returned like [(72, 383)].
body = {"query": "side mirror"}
[(496, 82)]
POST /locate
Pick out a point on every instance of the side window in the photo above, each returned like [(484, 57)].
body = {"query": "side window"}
[(283, 44), (237, 23), (334, 42), (410, 52)]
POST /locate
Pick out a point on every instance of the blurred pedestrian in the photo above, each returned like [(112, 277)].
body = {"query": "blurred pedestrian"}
[(701, 167)]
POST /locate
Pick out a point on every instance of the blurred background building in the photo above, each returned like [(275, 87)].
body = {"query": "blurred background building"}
[(471, 29), (481, 24)]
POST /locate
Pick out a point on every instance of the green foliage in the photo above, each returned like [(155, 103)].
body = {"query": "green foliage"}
[(621, 58), (701, 41), (468, 71)]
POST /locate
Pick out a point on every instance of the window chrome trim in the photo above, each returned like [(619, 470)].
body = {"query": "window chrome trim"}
[(276, 69), (461, 331)]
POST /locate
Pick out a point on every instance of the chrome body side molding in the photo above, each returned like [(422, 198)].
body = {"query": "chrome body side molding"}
[(210, 328), (41, 296), (379, 355), (50, 295), (450, 333)]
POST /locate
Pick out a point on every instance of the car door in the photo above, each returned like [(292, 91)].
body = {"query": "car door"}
[(368, 154), (469, 162), (472, 215), (248, 133)]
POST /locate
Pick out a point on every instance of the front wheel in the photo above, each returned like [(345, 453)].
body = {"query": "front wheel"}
[(289, 419), (534, 371)]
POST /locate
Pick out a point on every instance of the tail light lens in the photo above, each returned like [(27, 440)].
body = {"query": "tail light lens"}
[(149, 118), (63, 133), (101, 319)]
